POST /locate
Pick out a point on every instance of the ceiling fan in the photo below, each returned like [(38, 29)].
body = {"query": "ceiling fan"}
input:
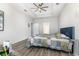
[(40, 7)]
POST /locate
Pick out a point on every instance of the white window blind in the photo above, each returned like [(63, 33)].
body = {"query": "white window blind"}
[(46, 29), (35, 28)]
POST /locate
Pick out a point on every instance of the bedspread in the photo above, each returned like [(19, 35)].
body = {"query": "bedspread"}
[(53, 43)]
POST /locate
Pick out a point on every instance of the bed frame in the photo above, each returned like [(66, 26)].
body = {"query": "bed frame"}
[(70, 32)]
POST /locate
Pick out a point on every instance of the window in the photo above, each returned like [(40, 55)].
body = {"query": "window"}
[(35, 28), (46, 28)]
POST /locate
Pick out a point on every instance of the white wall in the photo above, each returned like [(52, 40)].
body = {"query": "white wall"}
[(15, 24), (70, 17), (53, 21)]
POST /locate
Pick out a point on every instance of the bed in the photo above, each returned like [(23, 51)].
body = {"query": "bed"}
[(64, 43)]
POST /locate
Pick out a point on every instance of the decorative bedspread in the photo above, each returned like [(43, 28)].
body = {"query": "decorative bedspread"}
[(53, 43)]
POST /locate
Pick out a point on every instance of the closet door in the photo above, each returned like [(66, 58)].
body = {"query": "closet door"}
[(35, 29)]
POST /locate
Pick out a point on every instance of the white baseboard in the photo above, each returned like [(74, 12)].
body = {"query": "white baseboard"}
[(76, 55)]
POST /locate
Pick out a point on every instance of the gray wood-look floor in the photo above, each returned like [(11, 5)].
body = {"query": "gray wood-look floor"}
[(21, 49)]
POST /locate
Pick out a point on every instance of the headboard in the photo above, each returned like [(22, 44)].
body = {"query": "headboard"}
[(68, 31)]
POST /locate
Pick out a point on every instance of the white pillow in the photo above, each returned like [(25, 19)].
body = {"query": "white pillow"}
[(40, 37), (64, 36), (53, 38)]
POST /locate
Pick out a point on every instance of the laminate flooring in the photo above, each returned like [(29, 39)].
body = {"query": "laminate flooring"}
[(21, 49)]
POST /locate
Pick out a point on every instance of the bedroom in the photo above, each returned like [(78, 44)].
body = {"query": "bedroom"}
[(36, 27)]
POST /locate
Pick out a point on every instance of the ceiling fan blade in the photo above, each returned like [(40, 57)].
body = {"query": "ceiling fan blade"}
[(45, 7), (40, 4), (42, 9), (36, 5)]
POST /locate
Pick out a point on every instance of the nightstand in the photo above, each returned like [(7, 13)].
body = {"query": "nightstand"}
[(72, 47)]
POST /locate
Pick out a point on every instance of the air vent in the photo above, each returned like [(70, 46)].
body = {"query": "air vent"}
[(25, 10), (57, 3)]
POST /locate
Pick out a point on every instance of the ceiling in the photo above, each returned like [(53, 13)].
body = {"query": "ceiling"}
[(52, 10)]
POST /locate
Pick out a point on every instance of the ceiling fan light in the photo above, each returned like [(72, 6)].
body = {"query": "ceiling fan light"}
[(40, 7)]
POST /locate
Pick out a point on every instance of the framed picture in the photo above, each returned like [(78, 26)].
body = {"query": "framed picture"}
[(1, 20)]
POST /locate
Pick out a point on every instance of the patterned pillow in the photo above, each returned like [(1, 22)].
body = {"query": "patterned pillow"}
[(64, 36), (58, 35)]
